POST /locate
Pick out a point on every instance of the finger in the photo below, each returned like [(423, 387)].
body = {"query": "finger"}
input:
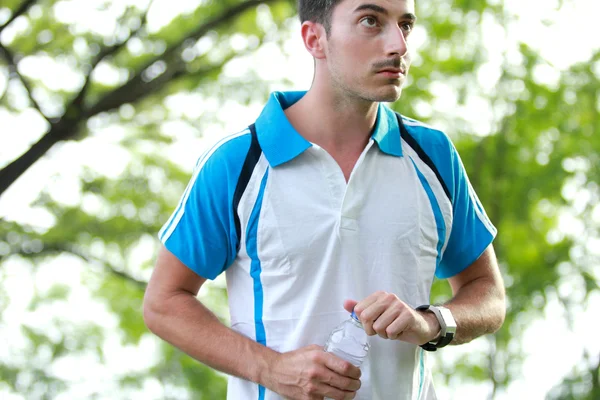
[(333, 393), (342, 367), (382, 324), (349, 305), (370, 314), (334, 379), (398, 327), (366, 302), (342, 382), (323, 374), (317, 389)]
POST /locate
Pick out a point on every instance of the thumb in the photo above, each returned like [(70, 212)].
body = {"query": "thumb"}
[(349, 305)]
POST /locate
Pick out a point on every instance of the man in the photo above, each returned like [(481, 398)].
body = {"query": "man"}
[(330, 203)]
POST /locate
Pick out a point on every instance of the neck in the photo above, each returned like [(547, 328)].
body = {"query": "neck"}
[(333, 121)]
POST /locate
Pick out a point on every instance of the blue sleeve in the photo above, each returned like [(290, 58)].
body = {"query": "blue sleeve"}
[(472, 231), (201, 232)]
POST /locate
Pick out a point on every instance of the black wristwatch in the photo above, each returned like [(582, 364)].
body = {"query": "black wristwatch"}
[(447, 323)]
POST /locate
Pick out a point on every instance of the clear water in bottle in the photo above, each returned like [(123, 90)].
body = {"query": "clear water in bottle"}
[(349, 341)]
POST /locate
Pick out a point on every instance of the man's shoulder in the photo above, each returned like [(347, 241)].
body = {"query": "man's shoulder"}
[(431, 145), (226, 150), (424, 133)]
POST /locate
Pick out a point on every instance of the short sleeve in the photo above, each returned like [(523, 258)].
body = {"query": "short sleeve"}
[(201, 232), (472, 231)]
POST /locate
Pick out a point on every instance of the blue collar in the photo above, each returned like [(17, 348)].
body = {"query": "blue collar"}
[(281, 143)]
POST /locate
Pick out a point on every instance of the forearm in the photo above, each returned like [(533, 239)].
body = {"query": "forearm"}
[(187, 324), (478, 308)]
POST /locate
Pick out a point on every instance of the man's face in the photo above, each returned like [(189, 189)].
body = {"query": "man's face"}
[(367, 51)]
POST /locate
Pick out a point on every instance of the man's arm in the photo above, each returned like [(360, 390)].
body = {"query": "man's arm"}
[(478, 306), (478, 303), (172, 312)]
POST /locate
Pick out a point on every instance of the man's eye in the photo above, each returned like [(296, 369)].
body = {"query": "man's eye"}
[(368, 22), (408, 27)]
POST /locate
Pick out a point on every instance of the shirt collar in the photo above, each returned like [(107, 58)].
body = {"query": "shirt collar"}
[(387, 131), (281, 143)]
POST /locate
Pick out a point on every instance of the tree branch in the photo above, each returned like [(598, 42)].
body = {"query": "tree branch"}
[(10, 173), (12, 67), (202, 30), (131, 92), (107, 51), (107, 267), (65, 248), (18, 12), (136, 91)]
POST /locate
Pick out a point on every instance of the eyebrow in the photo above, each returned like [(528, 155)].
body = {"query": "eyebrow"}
[(381, 10)]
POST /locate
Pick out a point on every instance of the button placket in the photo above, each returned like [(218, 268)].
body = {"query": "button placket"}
[(333, 176), (350, 206)]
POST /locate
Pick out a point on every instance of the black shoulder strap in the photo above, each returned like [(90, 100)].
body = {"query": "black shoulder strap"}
[(412, 142), (250, 162)]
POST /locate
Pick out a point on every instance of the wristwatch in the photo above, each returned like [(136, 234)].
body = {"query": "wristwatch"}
[(447, 323)]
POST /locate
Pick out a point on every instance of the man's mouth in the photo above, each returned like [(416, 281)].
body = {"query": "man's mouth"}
[(393, 72)]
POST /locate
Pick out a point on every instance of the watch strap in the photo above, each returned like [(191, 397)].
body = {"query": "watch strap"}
[(444, 338)]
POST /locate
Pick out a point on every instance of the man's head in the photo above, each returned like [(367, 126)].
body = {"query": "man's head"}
[(317, 11), (360, 46)]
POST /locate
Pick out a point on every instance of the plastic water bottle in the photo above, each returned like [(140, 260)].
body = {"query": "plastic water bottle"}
[(349, 341)]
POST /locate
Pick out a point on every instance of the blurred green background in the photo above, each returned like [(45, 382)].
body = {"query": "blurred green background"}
[(104, 106)]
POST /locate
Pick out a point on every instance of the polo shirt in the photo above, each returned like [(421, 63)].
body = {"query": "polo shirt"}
[(275, 213)]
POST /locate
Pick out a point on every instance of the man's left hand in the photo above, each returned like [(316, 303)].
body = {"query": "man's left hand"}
[(384, 314)]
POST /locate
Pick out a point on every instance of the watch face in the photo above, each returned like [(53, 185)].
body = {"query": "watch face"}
[(448, 319)]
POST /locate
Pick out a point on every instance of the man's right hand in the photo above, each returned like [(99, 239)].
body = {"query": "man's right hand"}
[(310, 373)]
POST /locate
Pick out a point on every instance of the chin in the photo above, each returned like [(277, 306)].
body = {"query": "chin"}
[(388, 95)]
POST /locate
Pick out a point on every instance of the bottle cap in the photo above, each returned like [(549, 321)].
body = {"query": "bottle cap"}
[(353, 315)]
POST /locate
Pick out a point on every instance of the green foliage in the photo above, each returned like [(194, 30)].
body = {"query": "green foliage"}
[(125, 299), (114, 219), (540, 148), (582, 384), (520, 168)]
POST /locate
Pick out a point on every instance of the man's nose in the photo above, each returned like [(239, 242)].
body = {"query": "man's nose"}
[(396, 42)]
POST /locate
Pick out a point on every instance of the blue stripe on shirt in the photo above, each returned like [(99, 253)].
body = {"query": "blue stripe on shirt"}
[(437, 213), (256, 269)]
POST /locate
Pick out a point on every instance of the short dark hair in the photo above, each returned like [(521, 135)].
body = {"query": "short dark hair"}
[(317, 11)]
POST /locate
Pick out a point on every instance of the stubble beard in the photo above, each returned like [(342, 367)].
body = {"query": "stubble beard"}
[(356, 88), (351, 88), (385, 93)]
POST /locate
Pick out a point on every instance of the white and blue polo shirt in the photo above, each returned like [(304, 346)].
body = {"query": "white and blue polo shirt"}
[(274, 212)]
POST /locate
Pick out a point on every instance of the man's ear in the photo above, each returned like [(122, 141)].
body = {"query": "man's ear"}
[(314, 38)]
